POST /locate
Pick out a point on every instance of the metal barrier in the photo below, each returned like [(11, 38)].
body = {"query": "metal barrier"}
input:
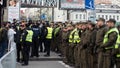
[(9, 59)]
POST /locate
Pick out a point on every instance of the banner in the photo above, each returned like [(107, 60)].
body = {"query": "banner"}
[(72, 4), (13, 10), (97, 2), (39, 3)]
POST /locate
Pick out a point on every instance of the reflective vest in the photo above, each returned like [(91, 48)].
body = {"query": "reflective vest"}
[(117, 45), (49, 35), (118, 55), (74, 38), (29, 36), (56, 31), (105, 40)]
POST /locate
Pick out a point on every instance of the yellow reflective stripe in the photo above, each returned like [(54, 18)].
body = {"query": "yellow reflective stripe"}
[(117, 46), (109, 47), (49, 35), (118, 55), (21, 39), (106, 38), (76, 38), (106, 35), (29, 36), (70, 36), (56, 30)]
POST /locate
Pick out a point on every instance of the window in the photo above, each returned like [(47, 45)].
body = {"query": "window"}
[(117, 17), (106, 17), (84, 16), (76, 16), (102, 16), (80, 16), (98, 16), (113, 16), (110, 17)]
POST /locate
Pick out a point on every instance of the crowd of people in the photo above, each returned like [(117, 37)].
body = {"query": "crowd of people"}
[(82, 44)]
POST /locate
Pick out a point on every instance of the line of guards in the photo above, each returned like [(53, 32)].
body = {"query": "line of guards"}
[(84, 44), (89, 45)]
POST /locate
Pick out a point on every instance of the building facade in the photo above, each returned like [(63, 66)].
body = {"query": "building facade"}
[(102, 11)]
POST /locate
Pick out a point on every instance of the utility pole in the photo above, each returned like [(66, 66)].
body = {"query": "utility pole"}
[(68, 15), (40, 13), (52, 13)]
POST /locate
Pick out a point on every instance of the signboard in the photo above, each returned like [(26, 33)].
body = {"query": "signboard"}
[(89, 4), (39, 3), (91, 15), (43, 16), (72, 4), (13, 10)]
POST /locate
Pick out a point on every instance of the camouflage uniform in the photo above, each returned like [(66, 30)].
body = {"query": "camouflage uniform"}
[(99, 40)]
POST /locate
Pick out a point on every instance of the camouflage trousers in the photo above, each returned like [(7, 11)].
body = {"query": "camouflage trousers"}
[(117, 62), (89, 59), (76, 56), (63, 48), (83, 60), (71, 53), (105, 60)]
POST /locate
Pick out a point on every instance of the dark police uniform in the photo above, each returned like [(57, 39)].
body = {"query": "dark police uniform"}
[(27, 36)]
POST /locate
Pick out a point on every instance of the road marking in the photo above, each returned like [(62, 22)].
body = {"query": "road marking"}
[(67, 66)]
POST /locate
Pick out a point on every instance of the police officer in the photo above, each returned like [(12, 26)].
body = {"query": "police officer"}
[(26, 39), (36, 34), (42, 37), (49, 36), (19, 42), (107, 46)]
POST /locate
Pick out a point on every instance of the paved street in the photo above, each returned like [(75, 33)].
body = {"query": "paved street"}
[(46, 64), (54, 61)]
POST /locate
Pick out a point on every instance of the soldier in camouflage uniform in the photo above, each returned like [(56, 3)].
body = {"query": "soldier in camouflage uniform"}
[(69, 29), (107, 47)]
